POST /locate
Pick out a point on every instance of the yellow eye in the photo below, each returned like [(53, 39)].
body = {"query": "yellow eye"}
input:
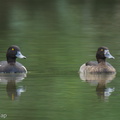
[(101, 50), (13, 49)]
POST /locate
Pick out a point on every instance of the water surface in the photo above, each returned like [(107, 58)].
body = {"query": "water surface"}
[(57, 37)]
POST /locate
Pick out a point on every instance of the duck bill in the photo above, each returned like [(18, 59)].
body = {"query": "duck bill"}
[(19, 55), (107, 54)]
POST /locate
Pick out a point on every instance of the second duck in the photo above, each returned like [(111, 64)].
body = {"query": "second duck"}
[(99, 66)]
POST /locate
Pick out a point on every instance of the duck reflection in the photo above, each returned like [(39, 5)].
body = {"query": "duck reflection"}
[(11, 80), (100, 80)]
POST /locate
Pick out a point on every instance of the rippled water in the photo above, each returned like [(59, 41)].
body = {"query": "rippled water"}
[(57, 37)]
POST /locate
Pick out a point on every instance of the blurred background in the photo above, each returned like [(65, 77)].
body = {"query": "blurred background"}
[(57, 37)]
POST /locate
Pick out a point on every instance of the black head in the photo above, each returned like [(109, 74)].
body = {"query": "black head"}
[(13, 52), (103, 53)]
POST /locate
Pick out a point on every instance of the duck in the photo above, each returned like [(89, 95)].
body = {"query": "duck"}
[(99, 66), (11, 65)]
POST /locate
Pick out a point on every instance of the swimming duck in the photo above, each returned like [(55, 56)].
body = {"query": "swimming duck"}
[(99, 66), (11, 66)]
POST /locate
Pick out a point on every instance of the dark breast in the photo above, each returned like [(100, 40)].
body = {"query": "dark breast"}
[(11, 68)]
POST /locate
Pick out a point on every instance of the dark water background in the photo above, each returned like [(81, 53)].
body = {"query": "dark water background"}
[(57, 36)]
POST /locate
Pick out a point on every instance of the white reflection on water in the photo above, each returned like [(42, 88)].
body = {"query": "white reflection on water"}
[(100, 81), (11, 80)]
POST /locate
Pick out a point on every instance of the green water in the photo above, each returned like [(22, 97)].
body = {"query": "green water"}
[(57, 37)]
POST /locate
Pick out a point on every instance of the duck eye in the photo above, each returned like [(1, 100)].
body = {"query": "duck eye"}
[(101, 50), (13, 49)]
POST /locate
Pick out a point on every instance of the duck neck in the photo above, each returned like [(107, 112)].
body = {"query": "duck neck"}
[(101, 60), (11, 60)]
